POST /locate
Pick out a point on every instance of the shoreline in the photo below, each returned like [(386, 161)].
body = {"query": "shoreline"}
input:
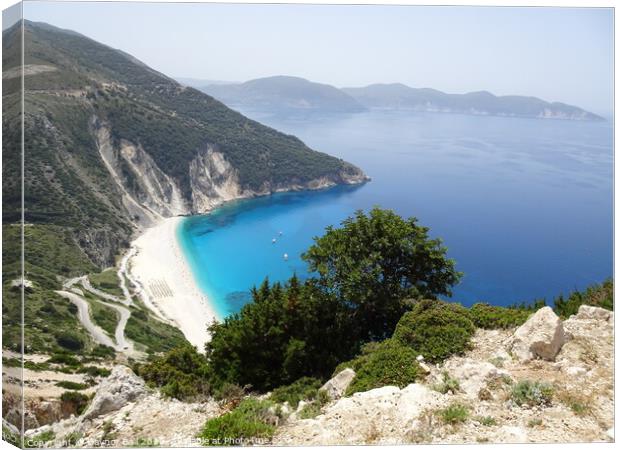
[(160, 267)]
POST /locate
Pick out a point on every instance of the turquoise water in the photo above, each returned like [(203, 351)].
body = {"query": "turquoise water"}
[(524, 206)]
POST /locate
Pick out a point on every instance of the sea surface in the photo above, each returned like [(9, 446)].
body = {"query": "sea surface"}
[(523, 205)]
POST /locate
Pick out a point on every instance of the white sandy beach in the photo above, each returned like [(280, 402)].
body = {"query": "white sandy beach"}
[(160, 267)]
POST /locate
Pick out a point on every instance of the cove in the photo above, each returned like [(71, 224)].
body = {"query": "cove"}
[(523, 205)]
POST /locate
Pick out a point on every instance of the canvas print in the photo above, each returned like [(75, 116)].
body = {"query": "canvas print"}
[(304, 225)]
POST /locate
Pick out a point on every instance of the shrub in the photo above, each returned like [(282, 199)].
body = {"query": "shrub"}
[(388, 363), (601, 295), (493, 317), (63, 358), (313, 409), (251, 422), (39, 440), (95, 371), (74, 402), (454, 413), (72, 439), (103, 351), (487, 421), (305, 388), (435, 329), (532, 393), (534, 422), (38, 367), (181, 373), (447, 384), (576, 401), (71, 385), (10, 437), (70, 341), (578, 408), (229, 392)]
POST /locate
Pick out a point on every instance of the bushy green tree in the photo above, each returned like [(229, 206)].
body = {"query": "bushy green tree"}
[(436, 329), (285, 333), (376, 262)]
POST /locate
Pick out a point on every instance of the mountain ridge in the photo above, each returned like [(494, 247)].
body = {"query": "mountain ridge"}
[(401, 96), (282, 93)]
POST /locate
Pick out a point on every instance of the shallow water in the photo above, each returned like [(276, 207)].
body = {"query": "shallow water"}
[(523, 205)]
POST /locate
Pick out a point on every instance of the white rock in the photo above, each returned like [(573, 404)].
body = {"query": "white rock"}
[(337, 386), (414, 399), (419, 358), (502, 354), (507, 434), (286, 409), (301, 405), (387, 414), (120, 388), (594, 313), (473, 375), (542, 336)]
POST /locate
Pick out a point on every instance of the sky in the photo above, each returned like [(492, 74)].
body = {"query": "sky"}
[(558, 54)]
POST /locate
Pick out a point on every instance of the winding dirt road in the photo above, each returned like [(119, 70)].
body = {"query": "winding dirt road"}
[(122, 344), (98, 334)]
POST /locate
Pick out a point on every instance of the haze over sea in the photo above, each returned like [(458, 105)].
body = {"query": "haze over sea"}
[(523, 205)]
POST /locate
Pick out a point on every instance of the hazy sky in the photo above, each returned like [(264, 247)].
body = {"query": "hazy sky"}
[(558, 54)]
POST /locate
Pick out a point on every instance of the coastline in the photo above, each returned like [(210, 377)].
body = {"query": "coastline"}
[(160, 267)]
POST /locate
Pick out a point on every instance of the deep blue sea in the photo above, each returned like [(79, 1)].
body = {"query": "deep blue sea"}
[(523, 205)]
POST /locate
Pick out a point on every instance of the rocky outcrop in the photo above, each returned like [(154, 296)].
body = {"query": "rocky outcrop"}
[(155, 190), (542, 336), (587, 312), (213, 181), (150, 420), (581, 409), (337, 386), (365, 417), (473, 376), (147, 193), (120, 388)]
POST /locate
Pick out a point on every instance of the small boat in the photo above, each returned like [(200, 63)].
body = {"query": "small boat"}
[(285, 256), (273, 241), (280, 233)]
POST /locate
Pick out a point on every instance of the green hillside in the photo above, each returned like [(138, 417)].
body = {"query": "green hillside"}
[(76, 219)]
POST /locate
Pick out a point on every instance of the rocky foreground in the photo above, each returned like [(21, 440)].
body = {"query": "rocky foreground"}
[(468, 399)]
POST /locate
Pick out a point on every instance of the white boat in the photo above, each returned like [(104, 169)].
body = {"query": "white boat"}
[(285, 256), (273, 241)]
